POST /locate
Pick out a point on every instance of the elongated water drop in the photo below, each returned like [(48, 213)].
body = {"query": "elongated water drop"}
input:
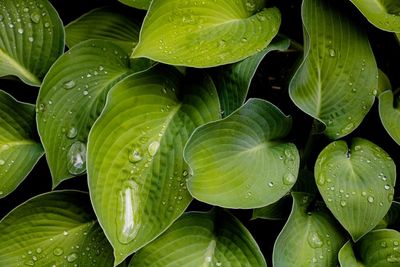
[(72, 257), (72, 133), (35, 17), (69, 84), (314, 240), (128, 217), (153, 148), (77, 158)]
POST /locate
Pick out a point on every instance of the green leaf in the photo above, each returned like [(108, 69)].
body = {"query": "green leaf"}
[(54, 229), (70, 100), (276, 211), (338, 67), (242, 161), (104, 23), (206, 33), (380, 248), (310, 237), (392, 218), (233, 81), (31, 39), (356, 183), (140, 4), (389, 112), (19, 148), (347, 257), (214, 238), (135, 165), (383, 14), (383, 82)]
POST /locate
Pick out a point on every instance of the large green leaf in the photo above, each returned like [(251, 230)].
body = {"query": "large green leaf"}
[(389, 112), (206, 33), (392, 217), (104, 23), (31, 39), (242, 161), (70, 100), (141, 4), (233, 81), (19, 148), (337, 80), (215, 238), (383, 14), (356, 183), (135, 165), (347, 258), (310, 237), (54, 229)]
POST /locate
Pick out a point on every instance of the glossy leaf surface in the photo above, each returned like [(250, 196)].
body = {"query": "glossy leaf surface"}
[(31, 39), (337, 79), (356, 182), (19, 148), (54, 229), (389, 112), (135, 164), (206, 33), (215, 238)]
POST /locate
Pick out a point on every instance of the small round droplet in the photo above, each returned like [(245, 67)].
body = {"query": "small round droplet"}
[(135, 156), (387, 187), (35, 17), (153, 148), (2, 162), (72, 133), (271, 184), (332, 52), (289, 179), (65, 233), (86, 92), (39, 250), (58, 251), (370, 199), (343, 203), (72, 257), (20, 31)]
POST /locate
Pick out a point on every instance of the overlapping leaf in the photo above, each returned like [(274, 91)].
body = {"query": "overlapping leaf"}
[(233, 81), (242, 161), (206, 33), (356, 183), (276, 211), (31, 39), (140, 4), (19, 148), (215, 238), (70, 100), (337, 79), (104, 23), (347, 258), (54, 229), (383, 14), (135, 164), (310, 237), (389, 112)]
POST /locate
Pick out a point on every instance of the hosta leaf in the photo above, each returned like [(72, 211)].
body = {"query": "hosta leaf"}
[(135, 164), (276, 211), (310, 237), (70, 100), (215, 238), (31, 39), (242, 161), (337, 79), (104, 23), (356, 183), (389, 112), (233, 81), (347, 258), (141, 4), (54, 229), (206, 33), (383, 14), (19, 149), (392, 217), (383, 82)]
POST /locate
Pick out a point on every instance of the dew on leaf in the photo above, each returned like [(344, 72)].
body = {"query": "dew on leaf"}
[(58, 251), (314, 240), (76, 158)]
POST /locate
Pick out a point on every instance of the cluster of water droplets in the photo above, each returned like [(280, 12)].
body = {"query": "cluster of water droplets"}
[(6, 162)]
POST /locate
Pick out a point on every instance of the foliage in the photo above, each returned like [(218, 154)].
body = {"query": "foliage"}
[(199, 133)]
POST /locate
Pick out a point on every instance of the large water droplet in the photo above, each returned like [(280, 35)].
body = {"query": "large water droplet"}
[(58, 251), (370, 199), (69, 84), (289, 179), (35, 17), (77, 158), (153, 148), (135, 156), (332, 52), (72, 257), (2, 162), (314, 240), (72, 133), (128, 217)]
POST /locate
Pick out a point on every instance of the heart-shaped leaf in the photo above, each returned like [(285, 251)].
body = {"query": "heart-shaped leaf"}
[(233, 81), (310, 237), (206, 33), (276, 211), (356, 183), (389, 112), (54, 229), (104, 23), (347, 257), (135, 165), (32, 38), (140, 4), (242, 161), (338, 67), (19, 148), (214, 238), (383, 14), (70, 100)]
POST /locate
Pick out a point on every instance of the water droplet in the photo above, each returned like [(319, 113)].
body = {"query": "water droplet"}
[(343, 203), (289, 178), (65, 233), (72, 257), (46, 25), (363, 193), (72, 133), (77, 158), (128, 217), (135, 156), (185, 173), (69, 84), (392, 258), (244, 39), (20, 31), (29, 263), (39, 250), (58, 251), (270, 184), (332, 52), (314, 240), (35, 17), (370, 199), (374, 92), (86, 92), (153, 148), (387, 187), (2, 162), (383, 244)]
